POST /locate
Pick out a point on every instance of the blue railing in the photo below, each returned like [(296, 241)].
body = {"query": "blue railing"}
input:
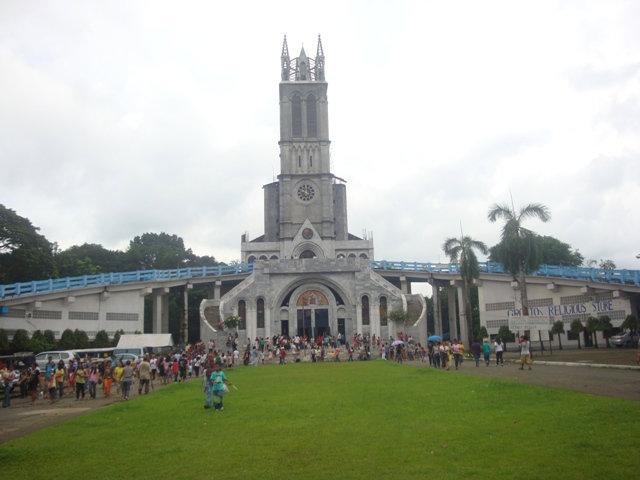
[(624, 277), (620, 276), (103, 279)]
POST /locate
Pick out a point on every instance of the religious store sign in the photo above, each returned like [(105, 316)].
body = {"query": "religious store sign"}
[(587, 308)]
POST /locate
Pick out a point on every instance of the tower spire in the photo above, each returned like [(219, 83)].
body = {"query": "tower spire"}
[(285, 62), (319, 63), (319, 51)]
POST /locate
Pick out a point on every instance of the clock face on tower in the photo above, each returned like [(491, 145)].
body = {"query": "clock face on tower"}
[(306, 192)]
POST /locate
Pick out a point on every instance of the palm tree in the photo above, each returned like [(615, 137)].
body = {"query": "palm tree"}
[(592, 328), (516, 250), (462, 251), (558, 329), (605, 326), (576, 328)]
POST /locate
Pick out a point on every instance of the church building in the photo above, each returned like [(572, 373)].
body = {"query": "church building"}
[(310, 275)]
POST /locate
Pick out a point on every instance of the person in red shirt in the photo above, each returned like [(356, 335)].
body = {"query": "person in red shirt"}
[(282, 355), (175, 369)]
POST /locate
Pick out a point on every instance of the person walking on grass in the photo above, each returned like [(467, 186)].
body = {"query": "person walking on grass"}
[(93, 377), (486, 351), (498, 346), (457, 354), (476, 350), (525, 352), (33, 384), (59, 377), (219, 387), (127, 379), (81, 379), (144, 375), (7, 377), (107, 378), (117, 376)]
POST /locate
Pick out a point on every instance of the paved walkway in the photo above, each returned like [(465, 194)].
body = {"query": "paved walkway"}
[(598, 381)]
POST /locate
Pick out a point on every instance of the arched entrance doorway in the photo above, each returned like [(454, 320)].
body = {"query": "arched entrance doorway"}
[(312, 313)]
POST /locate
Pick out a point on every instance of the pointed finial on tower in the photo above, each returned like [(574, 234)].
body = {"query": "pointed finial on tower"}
[(285, 62), (319, 63)]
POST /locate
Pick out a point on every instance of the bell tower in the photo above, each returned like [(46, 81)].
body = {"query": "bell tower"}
[(304, 123), (305, 209), (306, 182)]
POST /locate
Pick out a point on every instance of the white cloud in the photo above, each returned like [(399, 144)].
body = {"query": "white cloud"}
[(117, 119)]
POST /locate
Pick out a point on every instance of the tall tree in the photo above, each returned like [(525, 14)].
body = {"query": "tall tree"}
[(517, 250), (551, 252), (606, 327), (506, 335), (158, 250), (462, 251), (593, 325), (4, 341), (558, 329), (20, 341), (90, 258), (25, 254), (67, 340), (576, 329)]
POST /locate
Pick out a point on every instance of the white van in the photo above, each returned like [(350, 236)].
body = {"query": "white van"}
[(43, 358), (137, 351)]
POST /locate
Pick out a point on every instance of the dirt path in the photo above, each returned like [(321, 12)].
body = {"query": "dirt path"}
[(23, 418)]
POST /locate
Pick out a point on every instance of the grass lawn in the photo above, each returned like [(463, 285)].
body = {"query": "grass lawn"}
[(364, 420)]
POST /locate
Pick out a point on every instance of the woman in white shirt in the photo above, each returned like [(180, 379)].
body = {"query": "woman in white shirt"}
[(498, 346)]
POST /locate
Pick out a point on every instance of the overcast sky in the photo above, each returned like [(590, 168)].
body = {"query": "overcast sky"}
[(118, 118)]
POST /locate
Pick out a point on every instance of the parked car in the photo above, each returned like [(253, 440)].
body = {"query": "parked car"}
[(626, 339)]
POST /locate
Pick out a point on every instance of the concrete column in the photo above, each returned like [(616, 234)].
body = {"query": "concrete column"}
[(405, 285), (451, 301), (252, 321), (160, 310), (267, 321), (374, 315), (359, 316), (216, 289), (464, 335), (184, 331), (437, 311)]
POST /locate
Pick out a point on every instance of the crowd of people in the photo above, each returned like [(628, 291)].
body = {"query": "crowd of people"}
[(87, 378)]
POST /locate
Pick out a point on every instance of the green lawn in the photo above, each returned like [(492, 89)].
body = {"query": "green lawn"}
[(369, 420)]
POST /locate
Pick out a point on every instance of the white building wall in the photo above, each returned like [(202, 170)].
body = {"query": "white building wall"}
[(91, 313)]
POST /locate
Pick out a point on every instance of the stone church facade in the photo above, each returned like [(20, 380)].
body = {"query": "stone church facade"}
[(310, 276)]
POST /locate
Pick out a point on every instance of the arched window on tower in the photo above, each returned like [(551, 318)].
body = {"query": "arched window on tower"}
[(365, 310), (296, 116), (383, 311), (260, 312), (308, 254), (242, 314), (251, 259), (312, 119), (311, 160)]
